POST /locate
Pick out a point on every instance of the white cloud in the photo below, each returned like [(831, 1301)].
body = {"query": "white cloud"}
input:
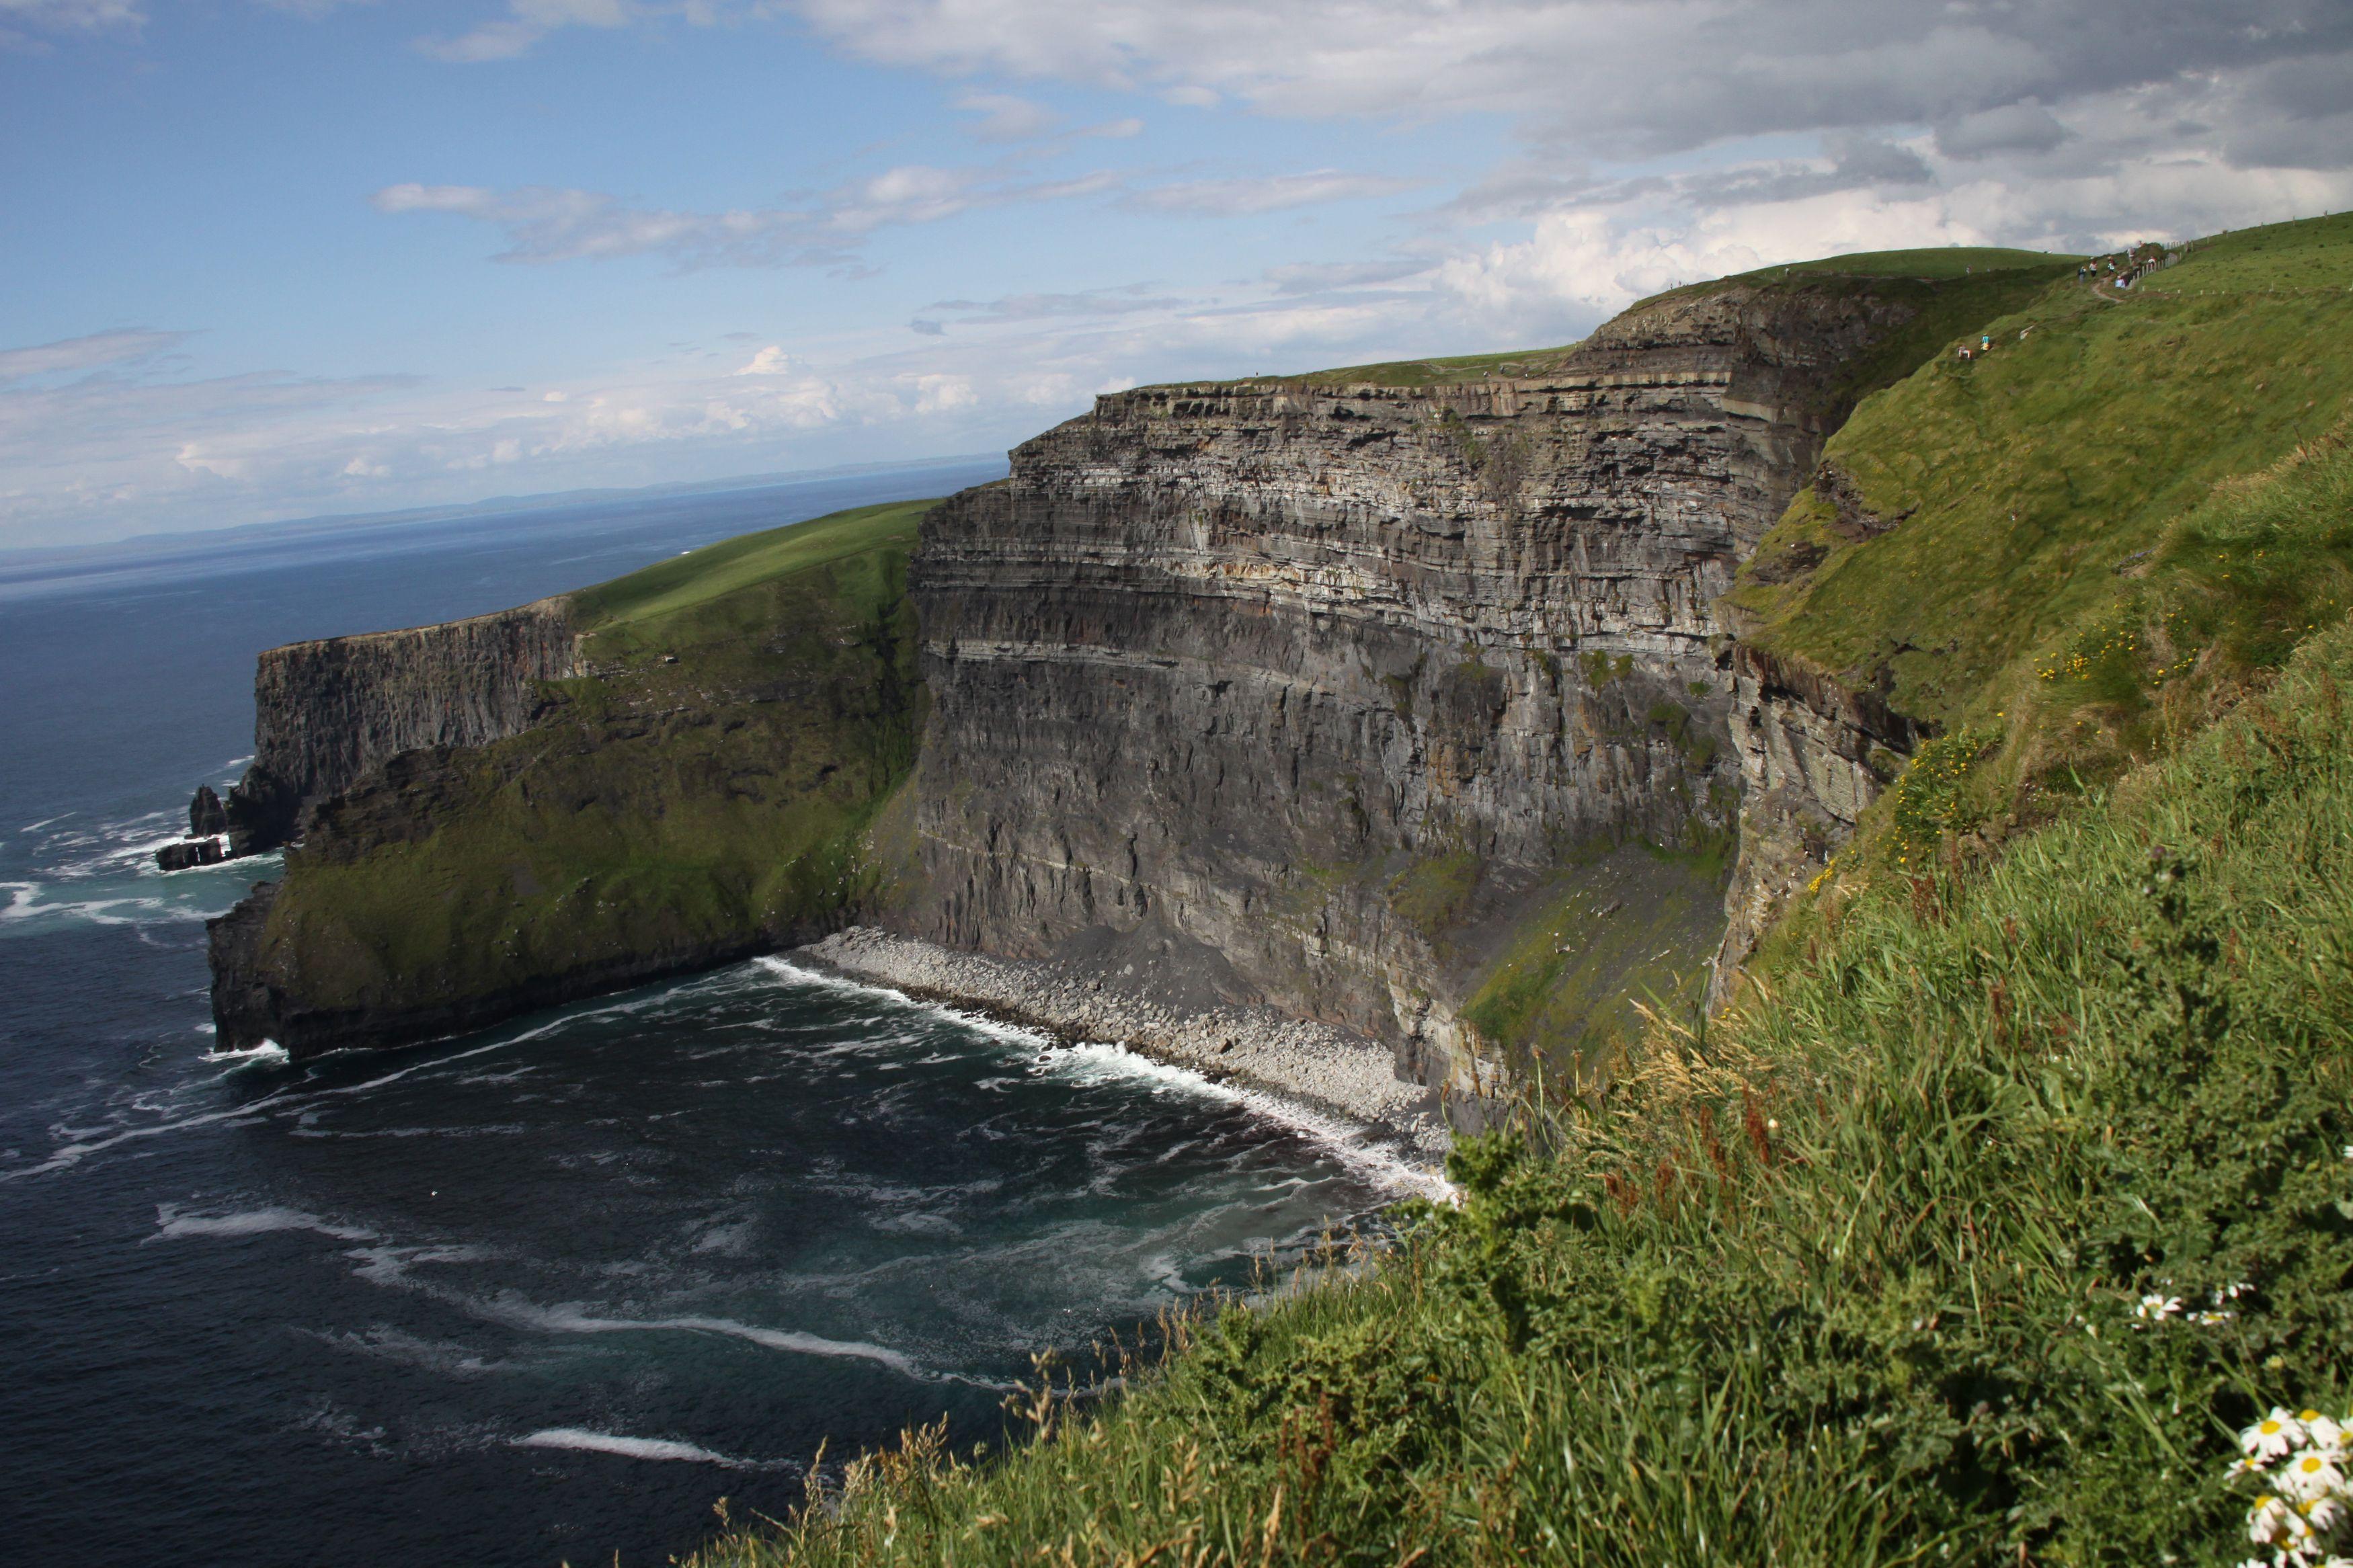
[(1265, 192), (120, 348), (1670, 74), (1005, 118), (542, 225), (1011, 308), (771, 361), (546, 224), (27, 24), (529, 21)]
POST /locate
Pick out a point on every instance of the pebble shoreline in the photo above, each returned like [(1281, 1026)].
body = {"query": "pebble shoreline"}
[(1313, 1065)]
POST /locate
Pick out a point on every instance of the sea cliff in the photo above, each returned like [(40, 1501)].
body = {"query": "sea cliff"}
[(327, 711), (1365, 685), (671, 771), (1392, 700)]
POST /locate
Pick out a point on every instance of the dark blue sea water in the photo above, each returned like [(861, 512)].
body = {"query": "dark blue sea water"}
[(543, 1292)]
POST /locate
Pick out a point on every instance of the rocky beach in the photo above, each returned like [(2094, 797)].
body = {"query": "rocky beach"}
[(1313, 1064)]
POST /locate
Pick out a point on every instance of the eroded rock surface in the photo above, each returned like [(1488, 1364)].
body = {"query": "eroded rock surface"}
[(1323, 677), (327, 711)]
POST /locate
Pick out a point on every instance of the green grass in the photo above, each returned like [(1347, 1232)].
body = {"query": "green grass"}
[(704, 793), (2017, 485), (714, 571), (1852, 1280), (1937, 264), (1509, 364), (1618, 933), (1434, 893)]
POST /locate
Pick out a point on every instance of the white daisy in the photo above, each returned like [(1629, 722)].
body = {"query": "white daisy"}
[(2268, 1521), (2324, 1432), (2308, 1475), (2273, 1436)]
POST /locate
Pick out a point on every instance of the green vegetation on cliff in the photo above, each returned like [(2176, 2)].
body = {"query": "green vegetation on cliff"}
[(2023, 1175), (699, 793), (1862, 1278), (1982, 506)]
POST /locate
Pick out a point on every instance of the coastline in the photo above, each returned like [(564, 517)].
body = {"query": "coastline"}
[(1312, 1065)]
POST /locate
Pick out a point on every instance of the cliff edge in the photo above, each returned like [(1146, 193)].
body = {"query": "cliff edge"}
[(1400, 698), (667, 772)]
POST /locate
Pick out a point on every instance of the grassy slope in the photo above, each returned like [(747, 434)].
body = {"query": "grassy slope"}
[(663, 810), (1854, 1279), (2026, 478)]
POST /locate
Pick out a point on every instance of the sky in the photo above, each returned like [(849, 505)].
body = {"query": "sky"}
[(273, 259)]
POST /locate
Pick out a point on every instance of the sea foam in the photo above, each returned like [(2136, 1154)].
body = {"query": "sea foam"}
[(586, 1441)]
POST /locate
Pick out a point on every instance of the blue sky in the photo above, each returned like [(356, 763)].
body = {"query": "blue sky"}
[(274, 260)]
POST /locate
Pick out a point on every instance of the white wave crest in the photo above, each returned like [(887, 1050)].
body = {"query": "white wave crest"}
[(586, 1441), (1371, 1159), (269, 1054), (170, 1224), (567, 1320), (981, 1023)]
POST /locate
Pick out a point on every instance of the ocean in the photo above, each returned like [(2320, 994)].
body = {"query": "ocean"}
[(544, 1292)]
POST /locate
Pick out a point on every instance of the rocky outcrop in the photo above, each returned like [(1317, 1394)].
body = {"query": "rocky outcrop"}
[(205, 817), (327, 711), (1813, 753), (1324, 677), (190, 852)]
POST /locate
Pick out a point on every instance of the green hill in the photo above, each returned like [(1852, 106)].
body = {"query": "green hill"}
[(2022, 1177)]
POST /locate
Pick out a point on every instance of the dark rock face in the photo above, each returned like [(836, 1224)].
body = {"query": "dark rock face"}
[(245, 1009), (1812, 753), (205, 817), (327, 711), (190, 852), (1248, 659)]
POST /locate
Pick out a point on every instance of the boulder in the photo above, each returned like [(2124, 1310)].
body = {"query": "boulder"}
[(190, 852)]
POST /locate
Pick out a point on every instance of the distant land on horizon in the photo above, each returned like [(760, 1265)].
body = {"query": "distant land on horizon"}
[(42, 555)]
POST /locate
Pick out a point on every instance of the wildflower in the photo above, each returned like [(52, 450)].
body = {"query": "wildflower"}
[(2273, 1436), (2326, 1434), (2158, 1307), (2271, 1522), (2326, 1514), (2310, 1475)]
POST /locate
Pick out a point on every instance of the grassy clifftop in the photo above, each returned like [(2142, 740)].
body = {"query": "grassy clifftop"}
[(1863, 1277), (1980, 507), (1958, 285), (2024, 1175), (696, 795)]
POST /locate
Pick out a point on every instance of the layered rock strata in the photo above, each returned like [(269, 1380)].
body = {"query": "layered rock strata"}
[(1813, 754), (327, 711), (1332, 677)]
